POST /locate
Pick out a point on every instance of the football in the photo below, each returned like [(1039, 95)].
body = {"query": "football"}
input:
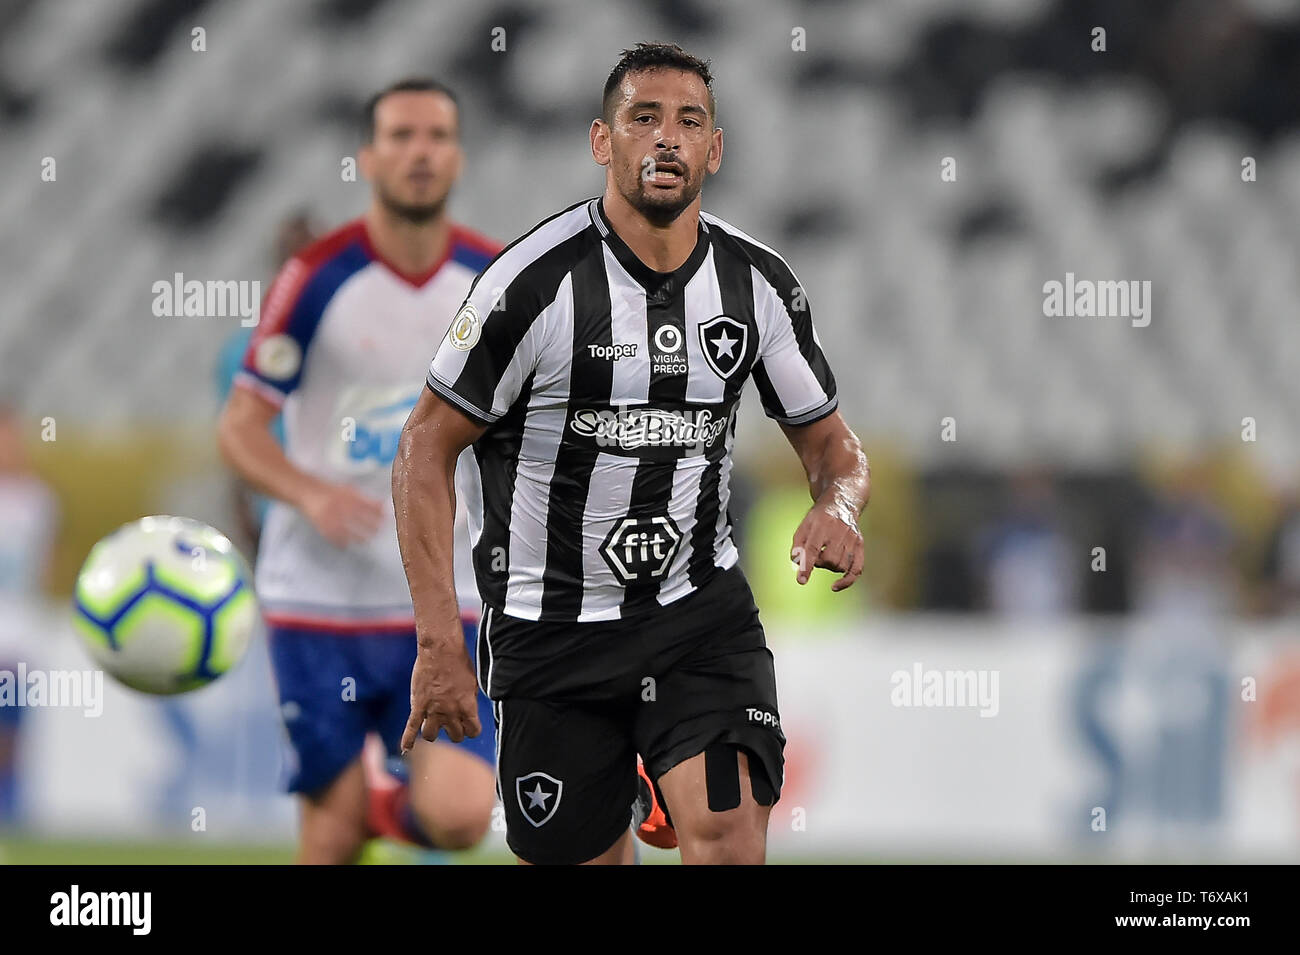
[(165, 604)]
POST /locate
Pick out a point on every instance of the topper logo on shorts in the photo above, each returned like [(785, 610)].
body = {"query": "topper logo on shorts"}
[(538, 802), (638, 548)]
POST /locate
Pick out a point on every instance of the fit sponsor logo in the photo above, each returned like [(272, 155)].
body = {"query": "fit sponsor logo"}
[(667, 357), (129, 909), (73, 689), (612, 352), (762, 717), (631, 428), (946, 688), (638, 548)]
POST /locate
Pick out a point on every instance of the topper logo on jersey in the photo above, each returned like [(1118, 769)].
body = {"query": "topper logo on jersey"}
[(638, 548), (539, 796), (667, 358), (723, 340), (612, 352), (632, 428)]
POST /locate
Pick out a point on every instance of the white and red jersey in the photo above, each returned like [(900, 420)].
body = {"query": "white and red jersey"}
[(341, 346)]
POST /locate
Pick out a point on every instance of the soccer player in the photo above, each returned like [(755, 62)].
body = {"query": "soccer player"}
[(28, 523), (341, 338), (596, 367)]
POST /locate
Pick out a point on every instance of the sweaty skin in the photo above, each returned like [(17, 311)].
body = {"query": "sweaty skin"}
[(443, 685)]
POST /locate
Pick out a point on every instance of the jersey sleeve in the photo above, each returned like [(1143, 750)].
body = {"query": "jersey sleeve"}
[(793, 377), (491, 347), (272, 363)]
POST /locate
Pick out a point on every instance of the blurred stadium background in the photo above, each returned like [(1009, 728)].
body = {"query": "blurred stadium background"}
[(1149, 710)]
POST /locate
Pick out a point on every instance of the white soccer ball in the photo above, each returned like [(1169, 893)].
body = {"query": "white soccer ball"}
[(165, 604)]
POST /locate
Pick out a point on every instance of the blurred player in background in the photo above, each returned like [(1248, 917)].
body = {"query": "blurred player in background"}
[(596, 367), (344, 332), (28, 515), (295, 233)]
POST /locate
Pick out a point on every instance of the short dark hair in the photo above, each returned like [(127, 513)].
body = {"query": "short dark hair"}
[(411, 84), (656, 56)]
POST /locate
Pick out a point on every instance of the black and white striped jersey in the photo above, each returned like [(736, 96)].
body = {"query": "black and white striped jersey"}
[(609, 392)]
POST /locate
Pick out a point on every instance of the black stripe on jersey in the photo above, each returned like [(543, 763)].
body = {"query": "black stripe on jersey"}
[(652, 487), (474, 282), (456, 401), (700, 566), (531, 292), (736, 292), (497, 453), (782, 279), (563, 580)]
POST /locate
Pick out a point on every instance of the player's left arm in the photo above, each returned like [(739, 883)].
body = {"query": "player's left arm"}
[(839, 479), (798, 391)]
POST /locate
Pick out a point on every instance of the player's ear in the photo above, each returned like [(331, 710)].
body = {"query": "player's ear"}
[(715, 151), (600, 150)]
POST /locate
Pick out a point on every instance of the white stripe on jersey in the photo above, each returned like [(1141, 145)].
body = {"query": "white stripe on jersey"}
[(543, 430), (608, 497), (724, 549), (628, 326), (703, 301), (686, 489), (801, 394)]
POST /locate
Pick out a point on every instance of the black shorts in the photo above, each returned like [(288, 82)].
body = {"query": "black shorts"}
[(576, 702)]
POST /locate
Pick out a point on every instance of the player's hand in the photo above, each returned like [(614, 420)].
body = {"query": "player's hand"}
[(342, 514), (829, 538), (443, 694)]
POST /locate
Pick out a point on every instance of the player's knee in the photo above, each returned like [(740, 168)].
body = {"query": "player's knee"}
[(461, 830), (730, 842), (460, 821), (712, 829), (730, 829), (331, 841)]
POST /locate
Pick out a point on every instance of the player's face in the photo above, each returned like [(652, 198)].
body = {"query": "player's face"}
[(661, 142), (415, 155)]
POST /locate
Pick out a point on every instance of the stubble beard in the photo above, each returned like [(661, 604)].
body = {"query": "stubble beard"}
[(661, 211), (415, 213)]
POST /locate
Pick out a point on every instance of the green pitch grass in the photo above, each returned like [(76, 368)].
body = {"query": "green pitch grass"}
[(27, 850)]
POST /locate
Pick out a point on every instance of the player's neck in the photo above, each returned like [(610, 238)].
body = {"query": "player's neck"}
[(411, 248), (664, 249)]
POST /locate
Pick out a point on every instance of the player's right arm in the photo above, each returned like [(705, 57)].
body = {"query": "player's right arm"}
[(339, 512), (270, 372), (476, 375), (443, 685)]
